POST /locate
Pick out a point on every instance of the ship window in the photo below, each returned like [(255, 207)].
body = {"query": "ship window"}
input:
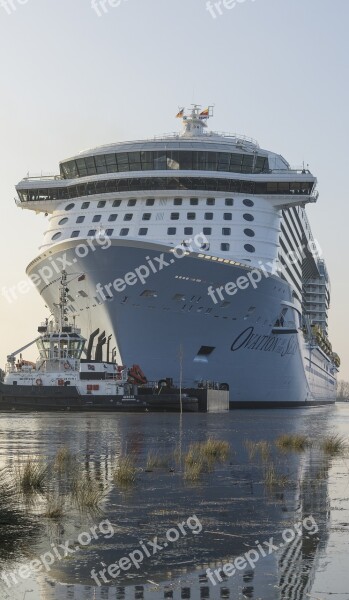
[(249, 232), (248, 202), (206, 350), (208, 216), (112, 217), (174, 216), (171, 231), (191, 216), (225, 247), (80, 219), (229, 202), (63, 221), (177, 201), (109, 232), (226, 231), (150, 202), (56, 235), (128, 217), (96, 219), (75, 234), (92, 232), (146, 217), (194, 201), (227, 216), (85, 205), (132, 202), (188, 231), (69, 206), (149, 294), (143, 231), (210, 201), (207, 230), (124, 231), (116, 203), (249, 248), (248, 217), (101, 204)]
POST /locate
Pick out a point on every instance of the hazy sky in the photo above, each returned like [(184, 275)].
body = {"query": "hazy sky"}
[(276, 70)]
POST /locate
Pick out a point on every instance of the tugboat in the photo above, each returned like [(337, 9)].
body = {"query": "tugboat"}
[(62, 380)]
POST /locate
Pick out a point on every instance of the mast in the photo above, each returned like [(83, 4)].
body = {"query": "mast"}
[(195, 123)]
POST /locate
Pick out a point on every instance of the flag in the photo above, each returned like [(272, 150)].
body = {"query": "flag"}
[(82, 277), (180, 114), (204, 114)]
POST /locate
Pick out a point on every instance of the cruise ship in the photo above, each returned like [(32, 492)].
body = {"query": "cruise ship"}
[(191, 254)]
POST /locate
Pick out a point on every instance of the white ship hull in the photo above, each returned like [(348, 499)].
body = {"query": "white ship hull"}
[(152, 323)]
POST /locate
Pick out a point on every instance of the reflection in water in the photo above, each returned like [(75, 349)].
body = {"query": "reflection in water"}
[(232, 503)]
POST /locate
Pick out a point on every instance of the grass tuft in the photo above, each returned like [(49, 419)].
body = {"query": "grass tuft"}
[(31, 476), (54, 507), (273, 478), (86, 493), (125, 472), (292, 442), (334, 445)]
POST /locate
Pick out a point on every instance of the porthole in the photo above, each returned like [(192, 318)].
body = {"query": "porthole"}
[(69, 206), (96, 219), (229, 202), (91, 233), (248, 217), (109, 232), (116, 203), (101, 204), (132, 202), (225, 247), (63, 221), (124, 231), (227, 216), (207, 230), (188, 231), (191, 216), (171, 231), (226, 231), (177, 201), (80, 219), (143, 231), (208, 216), (249, 232), (249, 248), (85, 205), (128, 217), (56, 236), (75, 234), (248, 202), (112, 217)]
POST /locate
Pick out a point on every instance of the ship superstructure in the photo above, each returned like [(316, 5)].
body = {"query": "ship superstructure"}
[(189, 214)]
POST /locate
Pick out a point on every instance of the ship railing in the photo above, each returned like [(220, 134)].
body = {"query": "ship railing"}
[(236, 137), (42, 177)]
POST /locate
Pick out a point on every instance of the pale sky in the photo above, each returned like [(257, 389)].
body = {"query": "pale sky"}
[(276, 70)]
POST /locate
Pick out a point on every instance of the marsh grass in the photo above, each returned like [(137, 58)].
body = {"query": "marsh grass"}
[(334, 445), (293, 442), (261, 448), (54, 506), (86, 493), (126, 470), (201, 457), (273, 478), (64, 459), (215, 449), (31, 476), (156, 461)]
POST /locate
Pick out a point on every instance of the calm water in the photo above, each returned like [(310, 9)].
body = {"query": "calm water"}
[(232, 503)]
